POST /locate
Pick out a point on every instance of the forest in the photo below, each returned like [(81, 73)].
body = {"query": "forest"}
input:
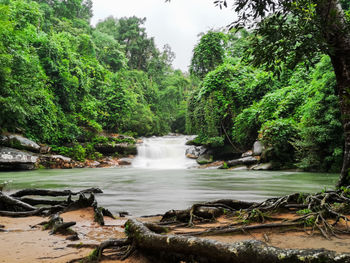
[(104, 95), (63, 82)]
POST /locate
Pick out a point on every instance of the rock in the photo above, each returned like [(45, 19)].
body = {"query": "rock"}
[(194, 152), (247, 153), (92, 164), (214, 165), (242, 161), (108, 162), (13, 159), (19, 142), (120, 148), (56, 162), (125, 161), (258, 148), (262, 167), (205, 159)]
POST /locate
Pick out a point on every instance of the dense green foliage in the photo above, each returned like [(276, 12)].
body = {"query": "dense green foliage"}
[(63, 81), (295, 114)]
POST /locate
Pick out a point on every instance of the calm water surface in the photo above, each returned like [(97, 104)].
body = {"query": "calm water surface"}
[(153, 191)]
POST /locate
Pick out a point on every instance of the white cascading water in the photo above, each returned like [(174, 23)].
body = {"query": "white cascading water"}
[(167, 152)]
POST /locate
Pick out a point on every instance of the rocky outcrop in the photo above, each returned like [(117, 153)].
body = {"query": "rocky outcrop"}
[(120, 148), (19, 142), (194, 152), (56, 162), (249, 160), (13, 159)]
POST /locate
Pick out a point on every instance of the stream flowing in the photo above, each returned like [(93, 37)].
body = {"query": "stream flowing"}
[(160, 180)]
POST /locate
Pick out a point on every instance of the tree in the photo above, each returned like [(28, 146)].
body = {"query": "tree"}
[(293, 30), (208, 53)]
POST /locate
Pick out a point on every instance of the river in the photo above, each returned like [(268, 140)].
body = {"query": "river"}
[(158, 182)]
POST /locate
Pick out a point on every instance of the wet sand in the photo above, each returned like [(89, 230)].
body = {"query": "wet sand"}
[(23, 241)]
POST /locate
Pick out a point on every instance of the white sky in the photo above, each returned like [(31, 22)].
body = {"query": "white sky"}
[(177, 23)]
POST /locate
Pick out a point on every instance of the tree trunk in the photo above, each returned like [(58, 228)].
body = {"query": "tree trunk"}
[(341, 66), (336, 33)]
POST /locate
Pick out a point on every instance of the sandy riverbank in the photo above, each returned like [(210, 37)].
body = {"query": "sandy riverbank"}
[(22, 241)]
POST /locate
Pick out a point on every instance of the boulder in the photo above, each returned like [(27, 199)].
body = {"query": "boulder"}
[(205, 159), (249, 160), (19, 142), (120, 148), (194, 152), (13, 159), (258, 148), (125, 161), (262, 167)]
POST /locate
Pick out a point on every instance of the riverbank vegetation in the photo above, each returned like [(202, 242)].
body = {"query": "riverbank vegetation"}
[(63, 81), (286, 35), (295, 113), (67, 84)]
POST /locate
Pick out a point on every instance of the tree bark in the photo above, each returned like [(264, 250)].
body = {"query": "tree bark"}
[(171, 248), (336, 33)]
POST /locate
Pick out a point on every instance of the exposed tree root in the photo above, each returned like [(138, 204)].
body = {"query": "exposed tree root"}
[(8, 203), (43, 192), (17, 205), (240, 229), (318, 209), (35, 212), (174, 248)]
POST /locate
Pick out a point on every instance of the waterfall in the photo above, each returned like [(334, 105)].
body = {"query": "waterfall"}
[(167, 152)]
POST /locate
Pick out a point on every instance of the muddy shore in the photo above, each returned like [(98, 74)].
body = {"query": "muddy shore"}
[(23, 240)]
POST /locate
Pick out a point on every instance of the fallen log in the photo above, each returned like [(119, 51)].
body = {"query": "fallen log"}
[(172, 248)]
